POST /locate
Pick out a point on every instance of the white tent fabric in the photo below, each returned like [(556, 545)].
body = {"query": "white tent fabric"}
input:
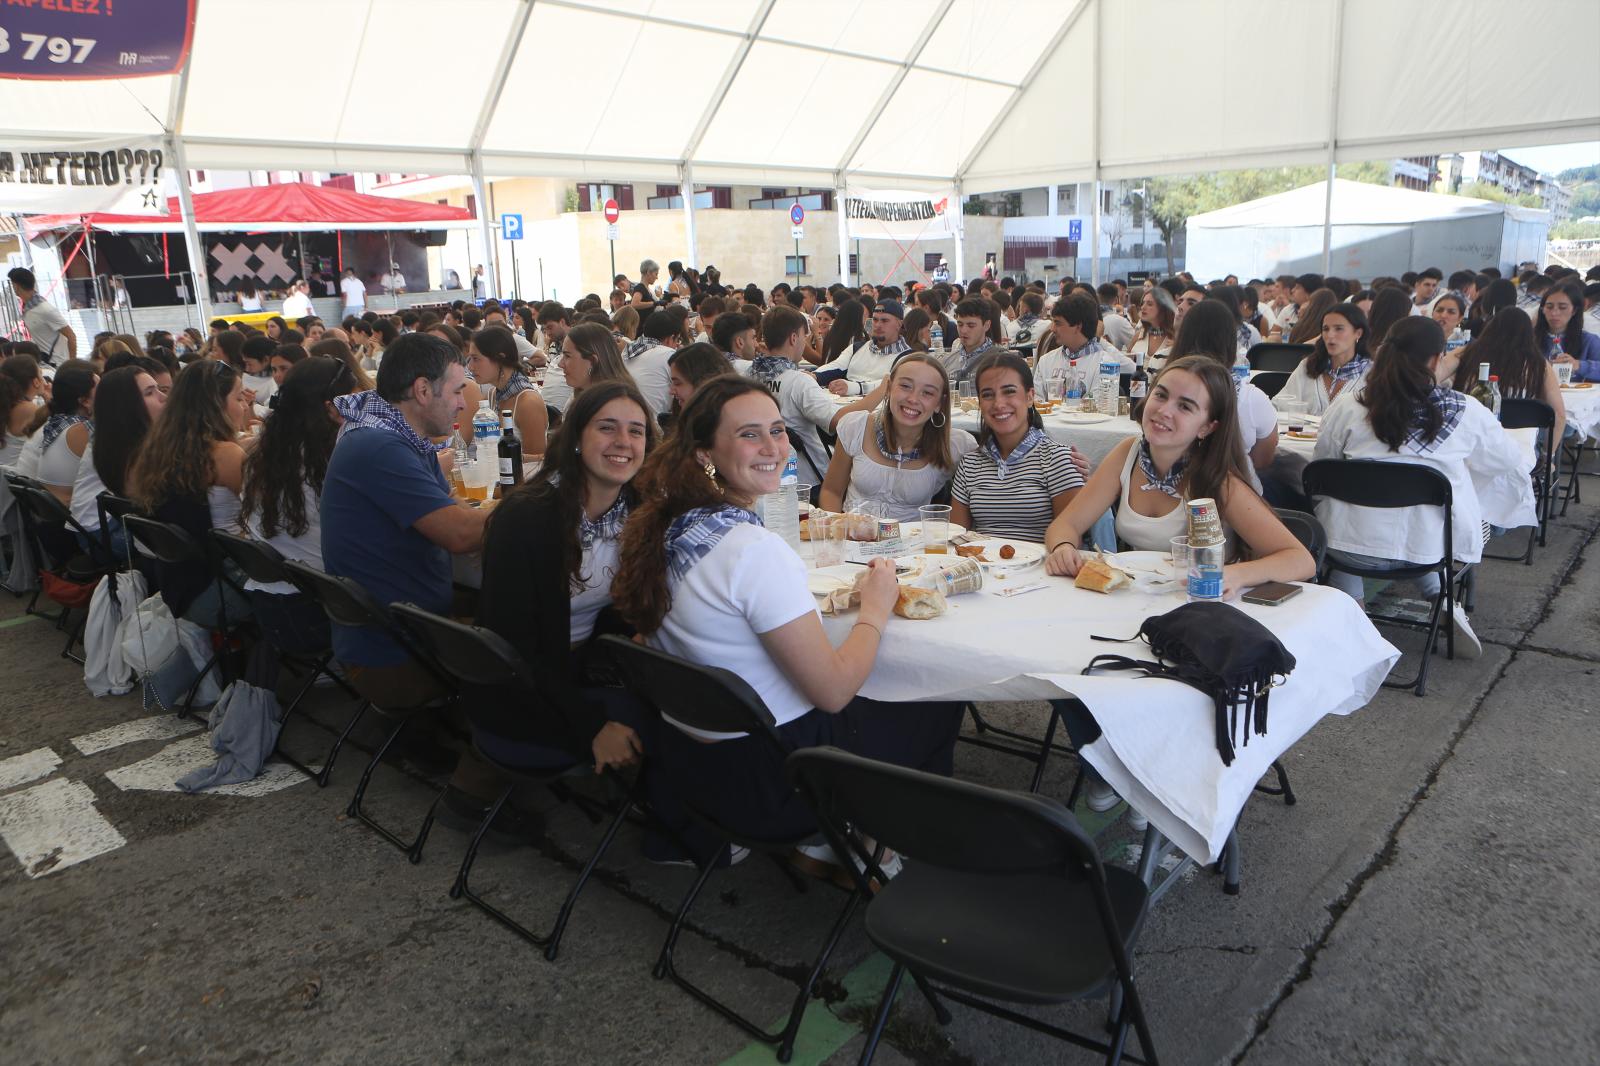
[(1372, 230), (986, 93)]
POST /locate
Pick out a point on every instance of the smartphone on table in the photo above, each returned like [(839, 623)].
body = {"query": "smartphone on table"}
[(1272, 593)]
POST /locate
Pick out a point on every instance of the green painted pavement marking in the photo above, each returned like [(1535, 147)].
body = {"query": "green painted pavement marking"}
[(9, 622), (823, 1032)]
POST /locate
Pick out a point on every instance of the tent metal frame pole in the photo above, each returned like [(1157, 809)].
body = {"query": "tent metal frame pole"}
[(894, 83), (735, 63), (1333, 135), (22, 241), (1094, 119), (686, 187), (844, 229), (961, 237), (199, 272), (479, 193)]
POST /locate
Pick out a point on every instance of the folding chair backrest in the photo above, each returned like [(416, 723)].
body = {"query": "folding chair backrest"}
[(1527, 413), (1271, 355), (472, 654), (942, 821), (163, 540), (48, 508), (344, 600), (1307, 530), (1377, 483), (701, 697), (109, 503), (259, 560), (1270, 382)]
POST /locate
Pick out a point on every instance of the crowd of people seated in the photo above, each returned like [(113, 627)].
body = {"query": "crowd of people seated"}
[(653, 418)]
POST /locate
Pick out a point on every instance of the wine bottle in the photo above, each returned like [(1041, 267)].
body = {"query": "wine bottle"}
[(510, 453)]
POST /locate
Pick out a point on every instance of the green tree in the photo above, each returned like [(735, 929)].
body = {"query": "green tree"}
[(1481, 191), (1576, 231)]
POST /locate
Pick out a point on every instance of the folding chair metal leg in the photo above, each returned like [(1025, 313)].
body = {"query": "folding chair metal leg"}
[(73, 637), (1228, 861), (413, 849), (884, 1006), (1282, 789), (321, 776)]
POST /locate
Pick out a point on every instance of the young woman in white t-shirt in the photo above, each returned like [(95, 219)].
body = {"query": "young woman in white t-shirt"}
[(902, 453), (700, 578)]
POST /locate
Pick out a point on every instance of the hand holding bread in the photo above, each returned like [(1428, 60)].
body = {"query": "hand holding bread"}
[(1065, 561)]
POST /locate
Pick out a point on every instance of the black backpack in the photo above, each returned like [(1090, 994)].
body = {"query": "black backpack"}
[(1219, 650)]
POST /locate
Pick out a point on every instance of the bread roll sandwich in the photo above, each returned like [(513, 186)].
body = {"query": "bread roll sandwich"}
[(1097, 575), (918, 603)]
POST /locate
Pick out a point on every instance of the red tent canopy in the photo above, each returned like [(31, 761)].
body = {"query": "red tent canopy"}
[(275, 208)]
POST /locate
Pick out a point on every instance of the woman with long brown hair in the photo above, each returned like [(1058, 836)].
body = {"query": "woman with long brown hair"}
[(190, 472), (1309, 325), (701, 579), (493, 359), (589, 355), (1152, 340), (1390, 304), (901, 454), (1188, 449), (1404, 415), (1507, 345), (1339, 360)]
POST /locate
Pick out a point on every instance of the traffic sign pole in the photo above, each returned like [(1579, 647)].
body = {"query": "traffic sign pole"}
[(612, 212), (797, 217)]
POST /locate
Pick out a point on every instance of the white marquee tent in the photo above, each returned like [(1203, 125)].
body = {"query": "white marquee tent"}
[(978, 94), (1376, 230)]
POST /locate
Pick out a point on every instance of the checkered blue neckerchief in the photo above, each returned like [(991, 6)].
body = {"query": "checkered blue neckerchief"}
[(33, 301), (970, 359), (767, 369), (1032, 439), (59, 424), (1026, 321), (368, 410), (898, 347), (1244, 336), (643, 344), (1155, 482), (1351, 370), (1450, 404), (607, 527), (519, 383), (693, 534), (1092, 346)]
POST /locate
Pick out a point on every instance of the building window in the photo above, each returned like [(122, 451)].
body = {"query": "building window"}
[(773, 194), (668, 190), (930, 260), (794, 264), (199, 175), (721, 195), (853, 266), (472, 205)]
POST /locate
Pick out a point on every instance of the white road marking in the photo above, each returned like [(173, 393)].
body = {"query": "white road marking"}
[(160, 772), (157, 727), (29, 766), (55, 825)]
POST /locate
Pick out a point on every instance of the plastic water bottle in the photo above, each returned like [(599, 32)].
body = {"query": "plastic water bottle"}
[(485, 433), (1241, 369), (780, 511), (1108, 385), (459, 442), (1494, 393), (1457, 339), (1074, 382), (936, 336)]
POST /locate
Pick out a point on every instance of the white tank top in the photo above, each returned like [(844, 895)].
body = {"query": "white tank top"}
[(58, 464), (1141, 533)]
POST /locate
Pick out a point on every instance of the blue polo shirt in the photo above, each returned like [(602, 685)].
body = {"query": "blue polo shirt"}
[(376, 488)]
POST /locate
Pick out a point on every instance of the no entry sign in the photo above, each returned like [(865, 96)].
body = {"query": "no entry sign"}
[(613, 212)]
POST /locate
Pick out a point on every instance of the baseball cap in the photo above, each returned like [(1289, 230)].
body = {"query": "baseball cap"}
[(890, 307)]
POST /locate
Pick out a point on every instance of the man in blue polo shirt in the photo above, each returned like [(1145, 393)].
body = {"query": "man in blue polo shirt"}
[(389, 522)]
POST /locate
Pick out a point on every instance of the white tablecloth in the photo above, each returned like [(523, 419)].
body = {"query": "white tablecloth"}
[(1157, 747), (1583, 410)]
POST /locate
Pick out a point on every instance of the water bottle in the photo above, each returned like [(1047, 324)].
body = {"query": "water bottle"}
[(1457, 339), (1108, 386), (1241, 369), (486, 429), (1494, 394), (1074, 383), (936, 336), (459, 442), (780, 511)]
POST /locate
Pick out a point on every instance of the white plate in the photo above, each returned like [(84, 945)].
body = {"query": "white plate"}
[(1027, 554), (824, 580), (1577, 388), (1081, 418), (1151, 571), (911, 532)]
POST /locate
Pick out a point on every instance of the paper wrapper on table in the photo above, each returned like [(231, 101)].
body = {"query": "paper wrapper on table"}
[(844, 598)]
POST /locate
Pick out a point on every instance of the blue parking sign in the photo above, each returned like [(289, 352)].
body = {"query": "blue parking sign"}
[(1075, 230), (511, 227)]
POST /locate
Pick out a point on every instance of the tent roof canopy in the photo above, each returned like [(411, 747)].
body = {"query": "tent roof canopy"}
[(993, 94), (289, 207), (1355, 203)]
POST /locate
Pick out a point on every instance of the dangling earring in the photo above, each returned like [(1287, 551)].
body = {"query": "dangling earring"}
[(941, 420), (711, 471)]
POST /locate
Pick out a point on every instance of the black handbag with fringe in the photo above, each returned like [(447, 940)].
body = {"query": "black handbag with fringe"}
[(1219, 650)]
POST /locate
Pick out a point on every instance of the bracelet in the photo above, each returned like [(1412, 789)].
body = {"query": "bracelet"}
[(1052, 550), (872, 627)]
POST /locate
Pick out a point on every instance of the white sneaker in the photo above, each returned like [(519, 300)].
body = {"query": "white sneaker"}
[(823, 853), (1468, 646), (1136, 821), (1100, 796)]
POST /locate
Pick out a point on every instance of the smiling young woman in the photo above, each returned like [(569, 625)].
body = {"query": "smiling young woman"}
[(1189, 449)]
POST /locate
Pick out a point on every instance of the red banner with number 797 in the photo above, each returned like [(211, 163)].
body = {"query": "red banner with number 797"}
[(76, 40)]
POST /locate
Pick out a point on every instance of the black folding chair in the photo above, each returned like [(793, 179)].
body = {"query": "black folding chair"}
[(1035, 750), (172, 545), (1003, 898), (19, 485), (347, 603), (1528, 413), (108, 505), (1389, 485), (1270, 382), (261, 562), (477, 656), (81, 570), (1272, 355), (716, 700)]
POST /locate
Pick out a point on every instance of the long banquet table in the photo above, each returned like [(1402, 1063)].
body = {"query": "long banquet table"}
[(1156, 746)]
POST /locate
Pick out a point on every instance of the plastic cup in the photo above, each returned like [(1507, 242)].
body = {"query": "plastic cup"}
[(935, 528), (827, 539), (1563, 374), (1180, 555)]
